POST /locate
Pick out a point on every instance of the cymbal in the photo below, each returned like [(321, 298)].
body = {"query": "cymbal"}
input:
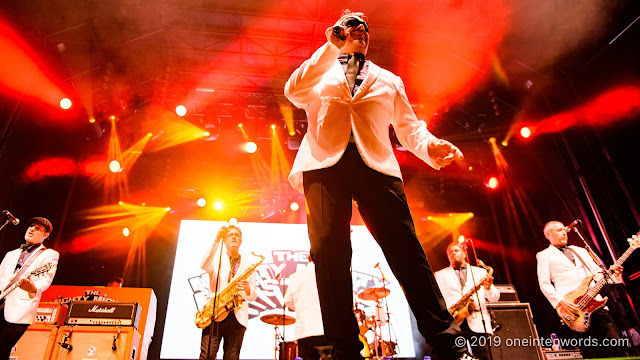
[(373, 293), (278, 319)]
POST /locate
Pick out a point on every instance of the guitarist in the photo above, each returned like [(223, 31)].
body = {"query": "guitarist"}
[(455, 281), (20, 305), (232, 328), (561, 269)]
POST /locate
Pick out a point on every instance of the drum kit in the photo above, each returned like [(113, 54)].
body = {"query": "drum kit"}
[(379, 348), (288, 349)]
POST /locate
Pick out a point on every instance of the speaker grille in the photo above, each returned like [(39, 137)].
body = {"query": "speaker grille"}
[(516, 336)]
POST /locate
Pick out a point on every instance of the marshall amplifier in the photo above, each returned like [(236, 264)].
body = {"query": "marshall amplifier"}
[(103, 313)]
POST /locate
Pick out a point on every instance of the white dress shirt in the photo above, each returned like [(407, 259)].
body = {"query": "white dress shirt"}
[(302, 297)]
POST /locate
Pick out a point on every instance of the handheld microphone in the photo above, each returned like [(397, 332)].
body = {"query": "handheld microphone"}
[(337, 31), (14, 220), (572, 225)]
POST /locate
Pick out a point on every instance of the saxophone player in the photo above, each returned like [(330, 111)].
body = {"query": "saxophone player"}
[(455, 281), (232, 325)]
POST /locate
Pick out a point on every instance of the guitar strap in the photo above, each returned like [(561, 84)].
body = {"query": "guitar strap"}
[(24, 267), (581, 260)]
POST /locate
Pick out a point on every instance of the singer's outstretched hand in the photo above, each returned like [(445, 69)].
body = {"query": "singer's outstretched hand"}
[(444, 152)]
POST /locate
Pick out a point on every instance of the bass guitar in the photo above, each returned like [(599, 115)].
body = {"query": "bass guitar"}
[(37, 272), (584, 296)]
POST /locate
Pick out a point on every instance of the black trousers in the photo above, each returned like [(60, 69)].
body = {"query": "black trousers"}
[(309, 347), (228, 329), (602, 327), (9, 335), (383, 206), (479, 342)]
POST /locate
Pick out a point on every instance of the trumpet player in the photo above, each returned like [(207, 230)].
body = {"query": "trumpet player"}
[(224, 264), (458, 279)]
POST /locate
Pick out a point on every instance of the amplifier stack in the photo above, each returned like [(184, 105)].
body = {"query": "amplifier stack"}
[(104, 330)]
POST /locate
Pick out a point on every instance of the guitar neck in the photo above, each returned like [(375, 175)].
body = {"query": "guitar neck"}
[(596, 289)]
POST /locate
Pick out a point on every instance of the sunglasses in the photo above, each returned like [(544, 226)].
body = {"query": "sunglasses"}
[(353, 22)]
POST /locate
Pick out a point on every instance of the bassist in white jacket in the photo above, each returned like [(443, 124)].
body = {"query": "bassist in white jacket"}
[(561, 269), (20, 303)]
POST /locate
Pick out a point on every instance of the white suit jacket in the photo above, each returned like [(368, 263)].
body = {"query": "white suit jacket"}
[(449, 284), (209, 264), (302, 297), (21, 306), (558, 276), (319, 86)]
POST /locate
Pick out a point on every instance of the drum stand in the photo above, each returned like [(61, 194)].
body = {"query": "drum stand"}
[(276, 346)]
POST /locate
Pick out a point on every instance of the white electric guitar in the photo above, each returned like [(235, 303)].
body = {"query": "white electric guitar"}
[(37, 272)]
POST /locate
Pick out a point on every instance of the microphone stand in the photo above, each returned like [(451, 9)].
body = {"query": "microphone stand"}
[(284, 339), (5, 224), (386, 305), (477, 296), (605, 272), (215, 300)]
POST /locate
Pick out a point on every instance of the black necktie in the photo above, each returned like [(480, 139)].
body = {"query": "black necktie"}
[(353, 68), (567, 252), (462, 275)]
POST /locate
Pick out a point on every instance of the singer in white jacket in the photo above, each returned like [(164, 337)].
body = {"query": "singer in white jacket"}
[(347, 155), (20, 304)]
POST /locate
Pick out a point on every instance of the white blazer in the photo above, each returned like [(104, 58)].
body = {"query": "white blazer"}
[(449, 284), (21, 306), (209, 263), (558, 276), (319, 86), (302, 297)]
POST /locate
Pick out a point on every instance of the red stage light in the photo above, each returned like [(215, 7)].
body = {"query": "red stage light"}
[(493, 183), (525, 132), (181, 110), (65, 103), (251, 147)]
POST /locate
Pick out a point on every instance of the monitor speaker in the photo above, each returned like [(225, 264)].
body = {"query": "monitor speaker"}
[(515, 335), (97, 342)]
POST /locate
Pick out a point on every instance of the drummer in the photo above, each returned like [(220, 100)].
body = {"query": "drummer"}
[(302, 297)]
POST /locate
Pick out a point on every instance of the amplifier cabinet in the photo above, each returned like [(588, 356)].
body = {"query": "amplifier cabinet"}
[(508, 293), (516, 332), (103, 313), (50, 313), (96, 343), (36, 344)]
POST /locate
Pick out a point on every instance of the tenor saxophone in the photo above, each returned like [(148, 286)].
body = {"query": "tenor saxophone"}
[(227, 300), (465, 307)]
